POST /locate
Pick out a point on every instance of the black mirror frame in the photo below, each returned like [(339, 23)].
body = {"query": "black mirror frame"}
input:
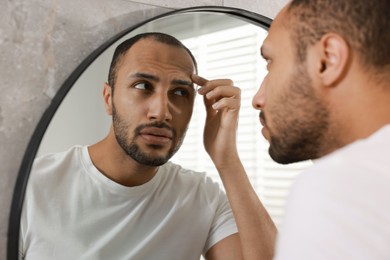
[(33, 145)]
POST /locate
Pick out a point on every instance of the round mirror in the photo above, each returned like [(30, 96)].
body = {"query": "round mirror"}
[(226, 44)]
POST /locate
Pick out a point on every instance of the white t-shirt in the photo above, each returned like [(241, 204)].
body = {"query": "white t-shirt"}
[(340, 208), (72, 211)]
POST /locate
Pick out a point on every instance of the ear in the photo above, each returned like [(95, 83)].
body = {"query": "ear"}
[(335, 54), (107, 96)]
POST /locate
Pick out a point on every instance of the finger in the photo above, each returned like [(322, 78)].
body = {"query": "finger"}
[(222, 96), (209, 85), (216, 83), (209, 106), (199, 80), (223, 91), (228, 103), (231, 103)]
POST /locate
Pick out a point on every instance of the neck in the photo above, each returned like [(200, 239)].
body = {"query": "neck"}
[(361, 109), (113, 162)]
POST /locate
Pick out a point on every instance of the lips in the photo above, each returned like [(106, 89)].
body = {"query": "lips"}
[(156, 135), (158, 132), (262, 122), (262, 119)]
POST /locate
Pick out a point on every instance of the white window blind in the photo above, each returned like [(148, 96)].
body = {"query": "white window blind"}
[(234, 53)]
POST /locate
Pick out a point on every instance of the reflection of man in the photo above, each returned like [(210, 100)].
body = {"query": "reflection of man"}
[(120, 198), (326, 95)]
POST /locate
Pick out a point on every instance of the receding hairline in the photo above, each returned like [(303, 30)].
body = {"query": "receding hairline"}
[(121, 57), (153, 39), (157, 37)]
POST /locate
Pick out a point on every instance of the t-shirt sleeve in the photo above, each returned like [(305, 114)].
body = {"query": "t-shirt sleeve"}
[(223, 224)]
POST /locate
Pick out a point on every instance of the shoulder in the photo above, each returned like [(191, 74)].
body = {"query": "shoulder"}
[(343, 191), (349, 180), (65, 153), (357, 171), (58, 156), (360, 163), (367, 156), (196, 181), (48, 165), (185, 174)]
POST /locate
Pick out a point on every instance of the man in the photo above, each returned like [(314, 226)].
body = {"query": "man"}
[(121, 198), (327, 97)]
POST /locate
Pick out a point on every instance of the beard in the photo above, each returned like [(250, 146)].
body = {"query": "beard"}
[(301, 122), (129, 146)]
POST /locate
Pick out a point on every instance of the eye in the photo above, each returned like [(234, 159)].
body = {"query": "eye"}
[(143, 85), (181, 92), (266, 59)]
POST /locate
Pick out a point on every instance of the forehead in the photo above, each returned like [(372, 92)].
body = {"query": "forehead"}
[(278, 36), (149, 53)]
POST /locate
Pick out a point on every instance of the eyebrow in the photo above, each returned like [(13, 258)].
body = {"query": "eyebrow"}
[(144, 76), (152, 77), (183, 82)]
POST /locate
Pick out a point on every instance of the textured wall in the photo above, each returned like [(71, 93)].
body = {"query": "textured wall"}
[(42, 42)]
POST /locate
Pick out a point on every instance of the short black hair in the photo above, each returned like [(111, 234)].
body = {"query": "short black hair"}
[(364, 24), (122, 48)]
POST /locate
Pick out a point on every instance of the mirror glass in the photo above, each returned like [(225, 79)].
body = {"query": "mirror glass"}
[(225, 46)]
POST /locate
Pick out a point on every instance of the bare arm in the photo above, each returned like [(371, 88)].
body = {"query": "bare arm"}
[(228, 248), (257, 231)]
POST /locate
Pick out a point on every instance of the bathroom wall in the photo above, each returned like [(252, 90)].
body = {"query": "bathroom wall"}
[(42, 42)]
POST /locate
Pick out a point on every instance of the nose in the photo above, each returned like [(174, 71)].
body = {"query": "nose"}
[(159, 108), (258, 100)]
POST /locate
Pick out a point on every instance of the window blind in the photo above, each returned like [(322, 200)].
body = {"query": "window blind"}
[(234, 53)]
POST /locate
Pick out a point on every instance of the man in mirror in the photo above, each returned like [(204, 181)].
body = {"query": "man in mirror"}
[(326, 97), (121, 198)]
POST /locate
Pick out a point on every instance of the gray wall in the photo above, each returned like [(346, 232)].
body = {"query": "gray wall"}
[(42, 42)]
